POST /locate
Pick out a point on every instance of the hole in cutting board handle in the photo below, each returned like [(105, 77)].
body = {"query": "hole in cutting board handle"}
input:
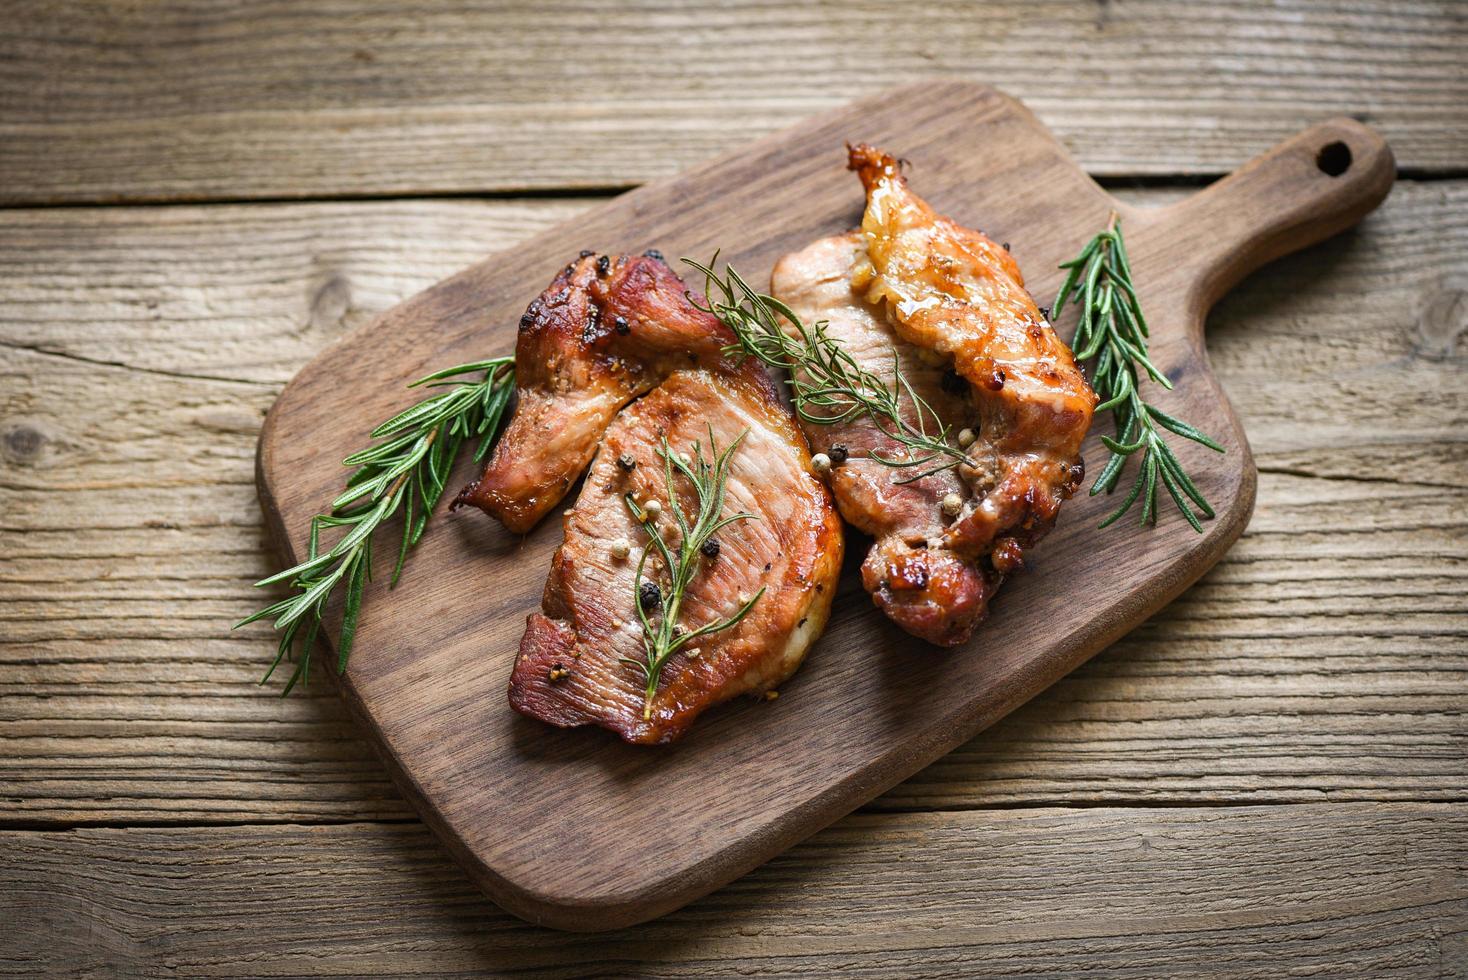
[(1334, 159)]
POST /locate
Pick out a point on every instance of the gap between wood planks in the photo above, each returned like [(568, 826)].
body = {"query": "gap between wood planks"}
[(595, 192), (1059, 806), (123, 365)]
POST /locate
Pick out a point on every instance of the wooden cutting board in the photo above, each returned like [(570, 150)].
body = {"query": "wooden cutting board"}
[(576, 830)]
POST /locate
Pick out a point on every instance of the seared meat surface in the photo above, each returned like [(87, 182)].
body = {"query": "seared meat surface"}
[(953, 290), (570, 669), (971, 340), (604, 331), (931, 591)]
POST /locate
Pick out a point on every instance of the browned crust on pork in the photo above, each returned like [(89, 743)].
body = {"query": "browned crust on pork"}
[(607, 329)]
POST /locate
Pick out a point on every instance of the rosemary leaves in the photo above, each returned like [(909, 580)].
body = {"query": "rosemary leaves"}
[(827, 384), (659, 606), (1113, 331), (403, 474)]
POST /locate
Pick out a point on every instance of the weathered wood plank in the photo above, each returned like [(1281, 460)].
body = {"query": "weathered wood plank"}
[(243, 293), (1324, 659), (207, 99), (1358, 890)]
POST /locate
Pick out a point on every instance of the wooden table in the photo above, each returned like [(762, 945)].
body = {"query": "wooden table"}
[(1269, 777)]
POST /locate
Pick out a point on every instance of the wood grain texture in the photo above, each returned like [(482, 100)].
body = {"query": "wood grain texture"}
[(199, 99), (430, 661), (1368, 890), (1323, 659)]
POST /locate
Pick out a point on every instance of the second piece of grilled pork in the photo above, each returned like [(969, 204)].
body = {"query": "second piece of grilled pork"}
[(606, 331), (971, 340)]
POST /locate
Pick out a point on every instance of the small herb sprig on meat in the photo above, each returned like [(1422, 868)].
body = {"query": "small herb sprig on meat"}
[(1113, 331), (826, 383), (662, 633), (405, 473)]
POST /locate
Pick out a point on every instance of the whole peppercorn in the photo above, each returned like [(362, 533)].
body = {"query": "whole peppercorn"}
[(620, 549), (839, 453), (649, 596), (951, 505), (710, 548), (821, 463), (627, 462)]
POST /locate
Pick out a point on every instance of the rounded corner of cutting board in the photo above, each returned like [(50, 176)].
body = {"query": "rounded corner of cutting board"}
[(267, 474), (959, 89), (1241, 506), (275, 430), (593, 914), (546, 902), (265, 448), (1235, 511)]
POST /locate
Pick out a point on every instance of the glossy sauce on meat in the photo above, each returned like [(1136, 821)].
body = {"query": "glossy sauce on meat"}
[(953, 290), (952, 303)]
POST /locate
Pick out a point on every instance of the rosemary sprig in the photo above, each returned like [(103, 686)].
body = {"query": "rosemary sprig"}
[(1113, 331), (665, 636), (405, 473), (827, 384)]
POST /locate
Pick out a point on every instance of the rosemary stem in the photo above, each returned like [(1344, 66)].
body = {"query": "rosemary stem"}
[(708, 478), (409, 465), (827, 384), (407, 474), (1111, 332)]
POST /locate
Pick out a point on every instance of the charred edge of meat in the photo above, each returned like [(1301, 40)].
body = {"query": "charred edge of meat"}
[(610, 326), (931, 593)]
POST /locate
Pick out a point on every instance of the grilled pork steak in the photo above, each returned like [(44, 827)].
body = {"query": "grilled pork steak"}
[(971, 340), (570, 670), (606, 331)]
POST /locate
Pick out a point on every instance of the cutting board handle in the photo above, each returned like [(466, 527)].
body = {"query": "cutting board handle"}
[(1313, 185)]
